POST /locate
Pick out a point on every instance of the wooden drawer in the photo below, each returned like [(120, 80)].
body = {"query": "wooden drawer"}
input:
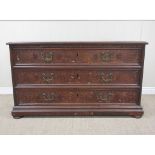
[(76, 96), (76, 76), (76, 56)]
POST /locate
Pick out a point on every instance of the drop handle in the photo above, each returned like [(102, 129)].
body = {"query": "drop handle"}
[(104, 96), (47, 57), (47, 77), (48, 97), (106, 56), (106, 77)]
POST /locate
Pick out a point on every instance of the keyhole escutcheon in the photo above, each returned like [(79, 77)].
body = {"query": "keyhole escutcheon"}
[(77, 75)]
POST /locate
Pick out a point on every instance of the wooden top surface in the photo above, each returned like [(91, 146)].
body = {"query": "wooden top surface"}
[(76, 43)]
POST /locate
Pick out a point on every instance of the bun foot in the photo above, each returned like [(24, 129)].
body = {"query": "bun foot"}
[(137, 115), (17, 117)]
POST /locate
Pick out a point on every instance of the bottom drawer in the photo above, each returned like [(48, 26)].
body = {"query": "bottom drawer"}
[(76, 96)]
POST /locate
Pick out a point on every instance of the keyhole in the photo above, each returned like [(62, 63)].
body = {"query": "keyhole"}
[(77, 95), (77, 54), (77, 76)]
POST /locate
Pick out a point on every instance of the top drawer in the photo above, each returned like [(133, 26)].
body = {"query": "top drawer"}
[(54, 56)]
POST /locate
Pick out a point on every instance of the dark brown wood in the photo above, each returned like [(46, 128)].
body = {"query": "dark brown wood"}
[(46, 76), (84, 43), (76, 96), (134, 111), (77, 78), (54, 56)]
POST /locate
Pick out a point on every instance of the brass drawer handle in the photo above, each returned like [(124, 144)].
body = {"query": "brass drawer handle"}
[(104, 96), (106, 77), (47, 57), (48, 97), (47, 77), (106, 56)]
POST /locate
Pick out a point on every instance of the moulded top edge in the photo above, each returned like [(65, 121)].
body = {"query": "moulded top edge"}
[(82, 42)]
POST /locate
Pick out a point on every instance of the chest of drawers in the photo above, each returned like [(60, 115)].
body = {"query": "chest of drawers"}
[(77, 78)]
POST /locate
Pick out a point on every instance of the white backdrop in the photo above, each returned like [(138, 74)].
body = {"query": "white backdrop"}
[(77, 31)]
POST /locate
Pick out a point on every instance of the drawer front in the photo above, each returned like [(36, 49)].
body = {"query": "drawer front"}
[(75, 56), (44, 56), (76, 76), (110, 56), (75, 96)]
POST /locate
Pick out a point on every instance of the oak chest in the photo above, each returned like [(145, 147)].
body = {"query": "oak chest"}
[(77, 78)]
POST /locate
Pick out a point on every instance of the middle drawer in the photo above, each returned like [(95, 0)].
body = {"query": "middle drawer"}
[(76, 76)]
